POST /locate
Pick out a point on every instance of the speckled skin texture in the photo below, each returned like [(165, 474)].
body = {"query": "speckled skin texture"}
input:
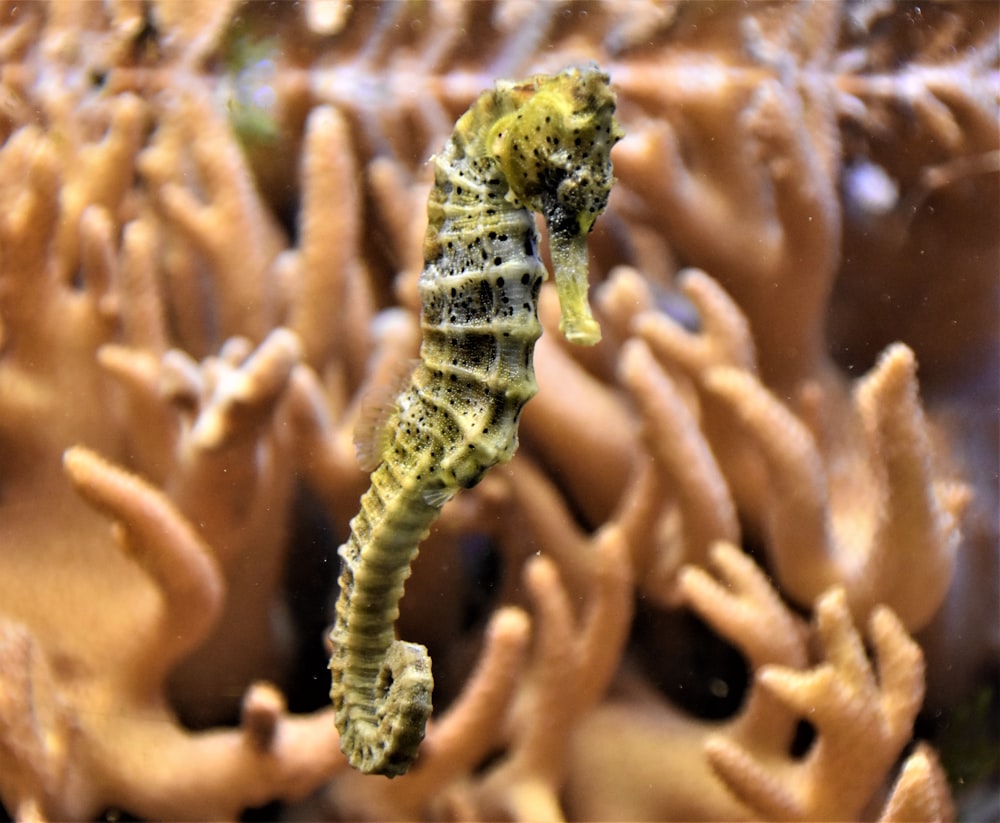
[(541, 145)]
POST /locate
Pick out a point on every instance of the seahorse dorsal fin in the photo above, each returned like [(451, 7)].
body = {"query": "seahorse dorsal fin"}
[(373, 431)]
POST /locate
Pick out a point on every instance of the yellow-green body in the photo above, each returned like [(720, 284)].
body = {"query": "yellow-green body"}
[(537, 146)]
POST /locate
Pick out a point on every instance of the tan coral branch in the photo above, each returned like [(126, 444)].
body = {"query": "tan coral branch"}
[(673, 440), (862, 721), (163, 543), (920, 511), (333, 305), (920, 793)]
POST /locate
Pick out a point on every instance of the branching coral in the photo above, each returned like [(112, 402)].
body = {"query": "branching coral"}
[(86, 707), (208, 259), (833, 495), (860, 724)]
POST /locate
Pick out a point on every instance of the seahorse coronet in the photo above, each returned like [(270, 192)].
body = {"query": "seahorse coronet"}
[(540, 145)]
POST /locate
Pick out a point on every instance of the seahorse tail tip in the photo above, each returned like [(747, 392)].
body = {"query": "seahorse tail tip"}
[(403, 694), (384, 738)]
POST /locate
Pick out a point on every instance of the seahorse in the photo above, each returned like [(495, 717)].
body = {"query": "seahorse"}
[(541, 145)]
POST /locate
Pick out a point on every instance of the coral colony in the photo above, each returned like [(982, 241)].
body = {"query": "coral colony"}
[(738, 566)]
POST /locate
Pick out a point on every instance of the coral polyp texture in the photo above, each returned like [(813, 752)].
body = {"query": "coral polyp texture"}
[(739, 566)]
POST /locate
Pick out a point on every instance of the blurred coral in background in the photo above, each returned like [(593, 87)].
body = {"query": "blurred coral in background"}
[(742, 567)]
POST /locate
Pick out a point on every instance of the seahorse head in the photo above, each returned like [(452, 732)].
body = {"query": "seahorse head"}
[(554, 147)]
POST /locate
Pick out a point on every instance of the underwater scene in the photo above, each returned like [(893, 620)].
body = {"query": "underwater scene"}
[(499, 410)]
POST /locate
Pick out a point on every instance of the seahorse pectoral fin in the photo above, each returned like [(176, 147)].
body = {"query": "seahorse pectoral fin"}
[(438, 496), (570, 261)]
